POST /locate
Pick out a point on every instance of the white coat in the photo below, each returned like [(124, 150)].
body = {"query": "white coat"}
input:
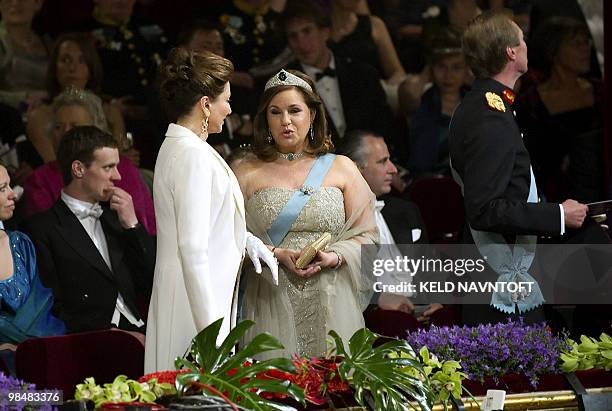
[(201, 234)]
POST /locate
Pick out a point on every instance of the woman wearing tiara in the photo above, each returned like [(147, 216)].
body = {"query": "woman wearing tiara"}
[(201, 235), (296, 190)]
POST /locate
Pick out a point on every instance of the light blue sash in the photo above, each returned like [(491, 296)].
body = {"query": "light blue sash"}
[(290, 212), (512, 265)]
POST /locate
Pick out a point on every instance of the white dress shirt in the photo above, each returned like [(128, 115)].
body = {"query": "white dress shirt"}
[(329, 90), (93, 228), (389, 251)]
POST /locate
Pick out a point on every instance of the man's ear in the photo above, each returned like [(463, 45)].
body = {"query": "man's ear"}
[(78, 169), (511, 53)]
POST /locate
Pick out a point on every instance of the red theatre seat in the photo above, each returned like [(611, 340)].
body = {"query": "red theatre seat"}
[(441, 204), (65, 361)]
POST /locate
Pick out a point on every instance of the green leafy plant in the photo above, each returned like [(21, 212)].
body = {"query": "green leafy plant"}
[(444, 376), (215, 371), (380, 372), (590, 353), (122, 389)]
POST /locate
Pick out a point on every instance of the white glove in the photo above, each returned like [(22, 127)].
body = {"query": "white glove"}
[(257, 250)]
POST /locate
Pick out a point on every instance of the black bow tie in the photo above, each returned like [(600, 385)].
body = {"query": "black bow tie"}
[(327, 72)]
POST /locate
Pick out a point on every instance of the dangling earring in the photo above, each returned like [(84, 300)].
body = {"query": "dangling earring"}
[(270, 139), (312, 137), (204, 130)]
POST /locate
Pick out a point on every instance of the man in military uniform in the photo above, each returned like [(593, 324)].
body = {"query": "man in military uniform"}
[(487, 153)]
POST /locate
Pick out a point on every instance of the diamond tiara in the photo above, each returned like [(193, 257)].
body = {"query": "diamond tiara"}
[(284, 78)]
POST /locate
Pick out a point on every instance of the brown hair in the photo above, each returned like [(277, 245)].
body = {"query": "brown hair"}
[(90, 55), (304, 10), (322, 141), (187, 76), (485, 41), (80, 143), (444, 43)]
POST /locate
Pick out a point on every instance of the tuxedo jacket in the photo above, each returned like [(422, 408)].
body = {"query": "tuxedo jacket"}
[(487, 152), (402, 217), (364, 101), (84, 287)]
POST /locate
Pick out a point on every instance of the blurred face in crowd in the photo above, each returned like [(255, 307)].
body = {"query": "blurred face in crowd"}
[(379, 169), (461, 12), (449, 73), (308, 42), (7, 195), (71, 68), (219, 109), (289, 120), (209, 40), (97, 180), (349, 5), (19, 11), (117, 10), (575, 54), (67, 118)]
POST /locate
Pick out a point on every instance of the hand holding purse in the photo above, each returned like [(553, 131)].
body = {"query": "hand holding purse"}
[(310, 251)]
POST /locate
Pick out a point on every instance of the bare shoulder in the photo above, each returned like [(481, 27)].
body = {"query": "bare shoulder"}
[(345, 166), (378, 26), (246, 170)]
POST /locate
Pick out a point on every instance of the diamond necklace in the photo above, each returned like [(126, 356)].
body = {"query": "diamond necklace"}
[(291, 156)]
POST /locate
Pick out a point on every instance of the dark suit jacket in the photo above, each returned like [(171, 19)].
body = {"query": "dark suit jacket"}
[(85, 289), (488, 153), (363, 99), (402, 217)]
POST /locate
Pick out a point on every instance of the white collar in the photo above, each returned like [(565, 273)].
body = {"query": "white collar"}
[(312, 70), (378, 206), (76, 205)]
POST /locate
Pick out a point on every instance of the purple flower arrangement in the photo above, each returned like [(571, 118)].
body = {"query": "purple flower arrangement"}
[(12, 384), (494, 350)]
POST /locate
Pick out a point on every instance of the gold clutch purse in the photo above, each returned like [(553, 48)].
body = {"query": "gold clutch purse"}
[(310, 251)]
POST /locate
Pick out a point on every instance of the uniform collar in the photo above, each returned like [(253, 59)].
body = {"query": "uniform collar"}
[(489, 84)]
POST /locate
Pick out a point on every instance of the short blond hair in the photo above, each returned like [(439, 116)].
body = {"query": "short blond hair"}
[(485, 41)]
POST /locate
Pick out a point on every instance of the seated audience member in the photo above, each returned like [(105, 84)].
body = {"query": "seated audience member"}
[(399, 221), (25, 304), (203, 35), (254, 44), (92, 250), (562, 117), (428, 134), (74, 62), (351, 90), (23, 55), (72, 108), (130, 50), (364, 38)]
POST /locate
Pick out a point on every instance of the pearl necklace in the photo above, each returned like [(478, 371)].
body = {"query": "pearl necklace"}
[(291, 156)]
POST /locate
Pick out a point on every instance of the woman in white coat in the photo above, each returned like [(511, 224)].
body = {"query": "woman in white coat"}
[(201, 234)]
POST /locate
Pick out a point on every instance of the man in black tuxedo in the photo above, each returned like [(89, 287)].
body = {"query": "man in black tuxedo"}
[(96, 257), (351, 91), (487, 152), (398, 221)]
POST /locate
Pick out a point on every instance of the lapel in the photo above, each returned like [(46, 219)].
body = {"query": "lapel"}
[(174, 130), (111, 227), (76, 237), (233, 181)]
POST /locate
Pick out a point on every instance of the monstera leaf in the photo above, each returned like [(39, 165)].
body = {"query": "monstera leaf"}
[(373, 370), (216, 370)]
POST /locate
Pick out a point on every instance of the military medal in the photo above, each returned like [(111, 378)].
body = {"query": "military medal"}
[(495, 102), (509, 96)]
